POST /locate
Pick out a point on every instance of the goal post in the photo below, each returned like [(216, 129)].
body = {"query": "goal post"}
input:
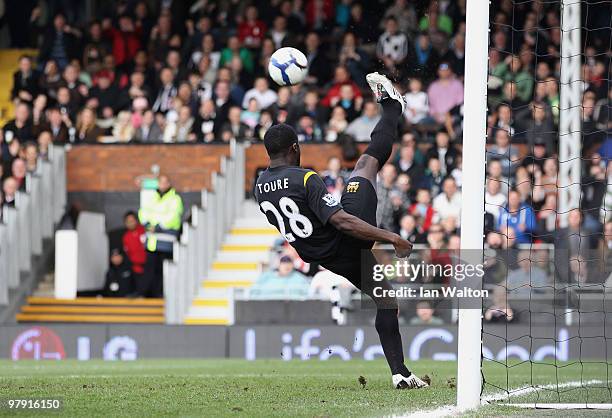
[(469, 339)]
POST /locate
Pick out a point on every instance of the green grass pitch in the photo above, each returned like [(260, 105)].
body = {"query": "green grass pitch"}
[(238, 388)]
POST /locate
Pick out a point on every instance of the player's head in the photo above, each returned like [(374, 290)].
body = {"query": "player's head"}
[(281, 142)]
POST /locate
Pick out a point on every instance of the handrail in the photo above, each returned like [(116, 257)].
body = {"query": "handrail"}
[(210, 221), (37, 211)]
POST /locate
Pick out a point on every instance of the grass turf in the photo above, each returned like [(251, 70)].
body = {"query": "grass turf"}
[(272, 387)]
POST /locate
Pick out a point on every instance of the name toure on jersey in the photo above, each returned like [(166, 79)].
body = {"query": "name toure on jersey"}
[(297, 202)]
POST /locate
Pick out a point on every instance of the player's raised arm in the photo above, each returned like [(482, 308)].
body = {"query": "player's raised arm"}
[(355, 227)]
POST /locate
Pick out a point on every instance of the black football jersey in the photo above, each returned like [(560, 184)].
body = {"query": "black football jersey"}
[(298, 204)]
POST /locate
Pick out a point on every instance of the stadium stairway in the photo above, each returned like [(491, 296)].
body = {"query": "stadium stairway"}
[(92, 310), (9, 59), (237, 265)]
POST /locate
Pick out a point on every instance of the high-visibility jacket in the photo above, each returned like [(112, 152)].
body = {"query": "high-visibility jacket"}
[(164, 213)]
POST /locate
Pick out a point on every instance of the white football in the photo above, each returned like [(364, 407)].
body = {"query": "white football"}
[(288, 66)]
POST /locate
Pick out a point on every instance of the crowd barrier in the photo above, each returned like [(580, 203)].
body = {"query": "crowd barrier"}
[(37, 211), (203, 235)]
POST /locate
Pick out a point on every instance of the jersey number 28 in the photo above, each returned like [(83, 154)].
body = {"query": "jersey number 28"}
[(299, 224)]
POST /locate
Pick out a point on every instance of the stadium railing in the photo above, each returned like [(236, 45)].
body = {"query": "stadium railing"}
[(202, 237), (37, 211)]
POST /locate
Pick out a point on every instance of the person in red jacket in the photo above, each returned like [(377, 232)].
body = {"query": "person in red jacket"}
[(133, 244), (341, 77), (252, 30), (125, 40)]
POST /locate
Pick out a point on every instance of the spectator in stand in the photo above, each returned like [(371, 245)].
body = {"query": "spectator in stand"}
[(30, 156), (310, 107), (60, 44), (386, 183), (239, 129), (318, 64), (284, 283), (541, 129), (223, 101), (422, 210), (86, 129), (44, 142), (417, 109), (448, 203), (433, 178), (336, 125), (408, 229), (456, 54), (148, 131), (19, 172), (162, 217), (495, 200), (206, 124), (362, 127), (125, 40), (548, 219), (347, 100), (9, 189), (503, 152), (502, 119), (21, 126), (574, 239), (133, 245), (341, 78), (443, 152), (166, 92), (519, 217), (307, 130), (235, 49), (528, 278), (426, 57), (436, 21), (119, 281), (425, 315), (262, 93), (332, 173), (392, 47), (444, 93), (26, 85), (355, 59), (280, 109), (252, 30), (407, 164), (512, 71), (250, 116)]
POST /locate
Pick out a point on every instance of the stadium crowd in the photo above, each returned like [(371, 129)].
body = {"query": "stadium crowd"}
[(195, 71)]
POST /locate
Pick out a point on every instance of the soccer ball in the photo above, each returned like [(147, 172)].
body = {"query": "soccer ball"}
[(288, 66)]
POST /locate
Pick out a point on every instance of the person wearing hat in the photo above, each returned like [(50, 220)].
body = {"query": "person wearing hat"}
[(119, 275), (283, 283)]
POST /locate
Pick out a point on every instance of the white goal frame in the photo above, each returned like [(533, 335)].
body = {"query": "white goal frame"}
[(469, 334), (469, 358)]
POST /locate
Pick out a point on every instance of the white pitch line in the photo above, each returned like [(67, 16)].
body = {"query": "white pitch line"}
[(531, 389), (452, 410)]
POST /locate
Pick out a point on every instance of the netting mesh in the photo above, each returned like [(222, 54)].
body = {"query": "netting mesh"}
[(548, 203)]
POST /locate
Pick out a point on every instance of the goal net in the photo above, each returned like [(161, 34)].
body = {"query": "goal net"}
[(548, 205)]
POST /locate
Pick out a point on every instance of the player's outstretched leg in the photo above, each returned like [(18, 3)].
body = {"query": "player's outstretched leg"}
[(387, 326), (385, 132)]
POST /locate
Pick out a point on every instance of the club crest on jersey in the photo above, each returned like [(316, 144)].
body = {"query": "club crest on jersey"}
[(352, 187), (330, 200)]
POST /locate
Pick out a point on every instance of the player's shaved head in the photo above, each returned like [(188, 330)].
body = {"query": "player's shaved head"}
[(279, 139)]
